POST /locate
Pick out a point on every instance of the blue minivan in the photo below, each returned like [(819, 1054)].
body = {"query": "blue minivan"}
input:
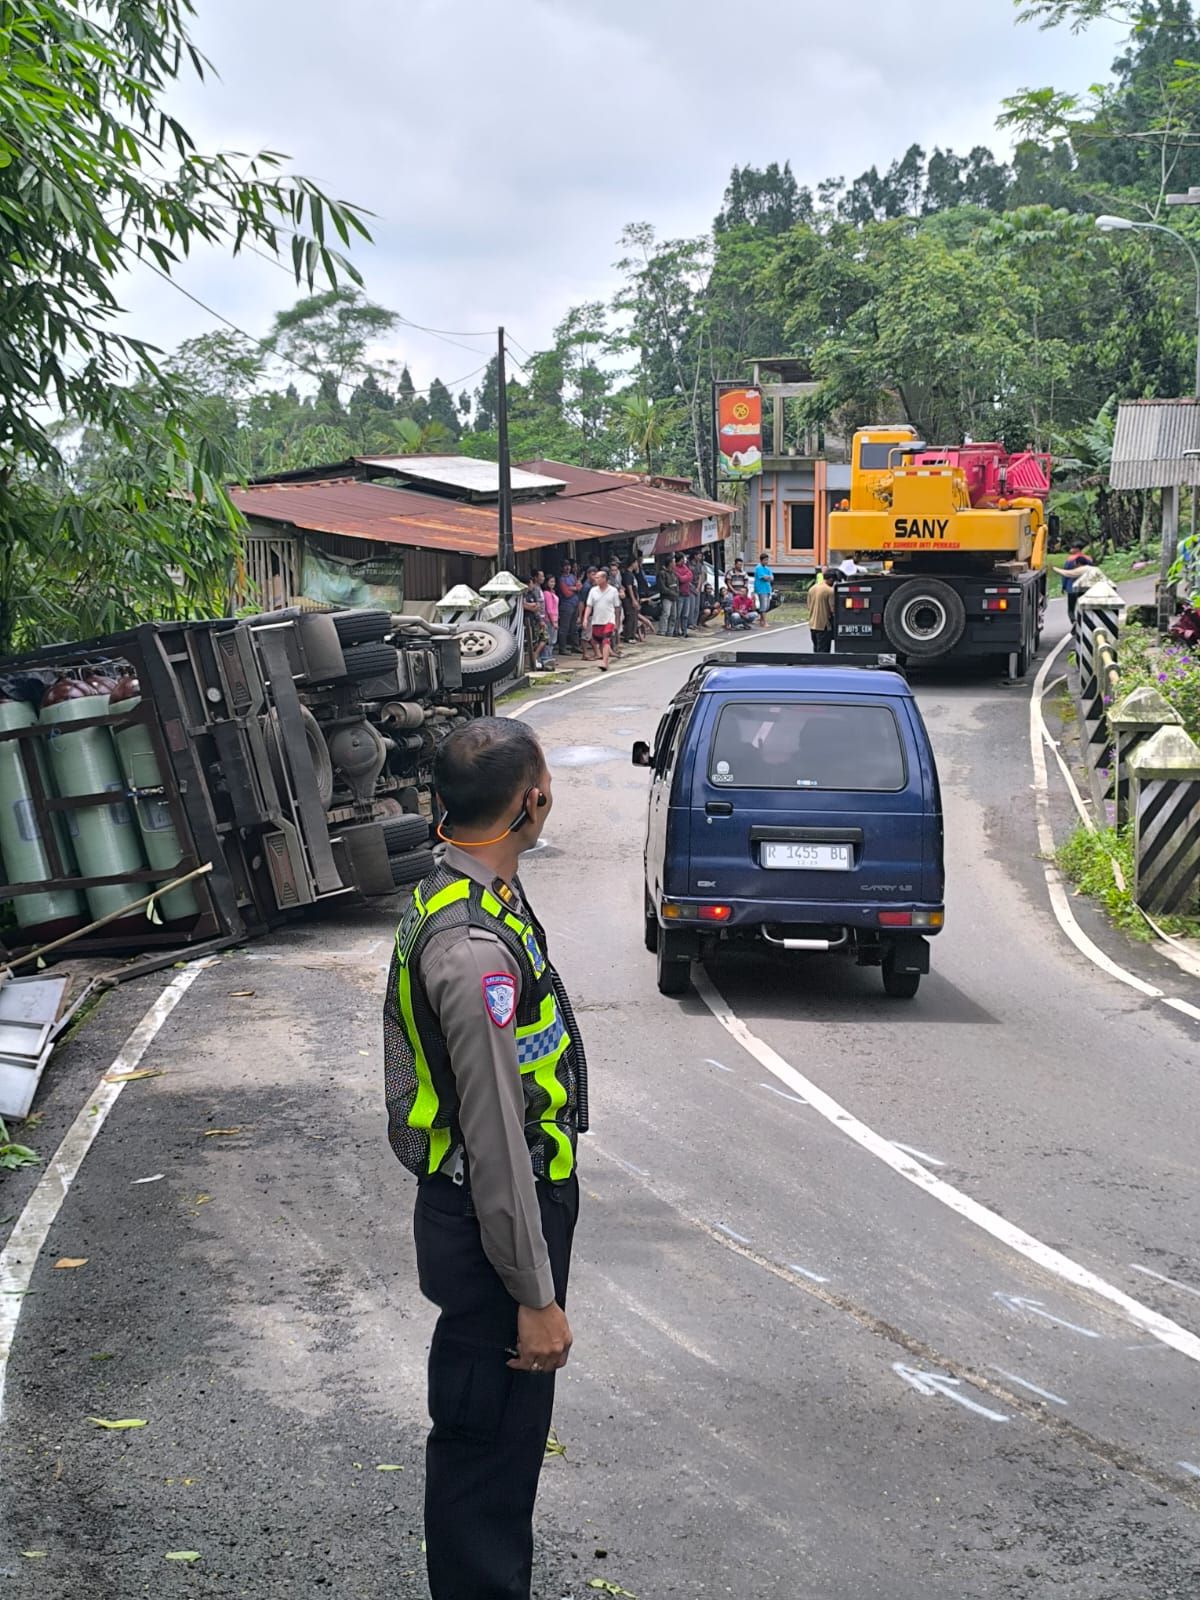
[(794, 800)]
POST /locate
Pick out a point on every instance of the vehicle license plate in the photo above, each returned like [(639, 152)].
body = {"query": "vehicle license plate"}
[(855, 630), (814, 857)]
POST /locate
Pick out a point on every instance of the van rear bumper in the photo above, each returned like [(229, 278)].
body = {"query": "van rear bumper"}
[(749, 916)]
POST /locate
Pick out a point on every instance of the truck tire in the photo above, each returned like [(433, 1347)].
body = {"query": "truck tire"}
[(674, 971), (405, 833), (924, 618), (899, 985), (411, 867), (318, 753), (363, 625), (489, 653), (369, 661)]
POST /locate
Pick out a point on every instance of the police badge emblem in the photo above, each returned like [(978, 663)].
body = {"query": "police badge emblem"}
[(500, 997)]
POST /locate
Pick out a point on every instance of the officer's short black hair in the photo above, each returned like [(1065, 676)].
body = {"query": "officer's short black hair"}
[(479, 769)]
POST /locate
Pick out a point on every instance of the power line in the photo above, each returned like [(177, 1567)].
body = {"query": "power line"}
[(268, 349)]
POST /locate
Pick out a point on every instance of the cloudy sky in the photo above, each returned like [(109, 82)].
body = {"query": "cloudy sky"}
[(503, 144)]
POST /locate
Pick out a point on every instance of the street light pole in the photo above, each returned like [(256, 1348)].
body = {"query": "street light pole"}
[(504, 544), (1170, 539)]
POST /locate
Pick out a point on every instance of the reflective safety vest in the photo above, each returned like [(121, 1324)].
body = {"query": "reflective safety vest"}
[(421, 1091)]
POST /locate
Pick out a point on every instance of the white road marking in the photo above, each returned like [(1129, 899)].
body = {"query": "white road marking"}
[(1189, 1466), (25, 1243), (619, 672), (658, 1323), (157, 1178), (1035, 1308), (1055, 1399), (739, 1238), (783, 1094), (628, 1165), (1015, 1238), (931, 1383), (1059, 902), (930, 1161), (813, 1277), (720, 1065), (1149, 1272)]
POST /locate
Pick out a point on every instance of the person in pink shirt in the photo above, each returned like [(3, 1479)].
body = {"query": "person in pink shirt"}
[(683, 616), (550, 598)]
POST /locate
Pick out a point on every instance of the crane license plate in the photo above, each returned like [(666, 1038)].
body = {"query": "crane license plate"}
[(813, 857)]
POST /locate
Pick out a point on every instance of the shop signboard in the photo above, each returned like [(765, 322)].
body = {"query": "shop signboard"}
[(738, 415)]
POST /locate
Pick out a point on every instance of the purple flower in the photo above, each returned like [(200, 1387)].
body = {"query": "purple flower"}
[(1162, 677)]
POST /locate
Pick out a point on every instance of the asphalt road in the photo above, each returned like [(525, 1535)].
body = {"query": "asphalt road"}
[(798, 1373)]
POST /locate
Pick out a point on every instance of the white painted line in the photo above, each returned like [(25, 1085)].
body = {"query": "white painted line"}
[(1059, 901), (1055, 1399), (930, 1161), (783, 1094), (658, 1323), (1149, 1272), (931, 1383), (619, 672), (739, 1238), (1035, 1308), (628, 1165), (813, 1277), (1189, 1466), (720, 1065), (25, 1243), (1016, 1239)]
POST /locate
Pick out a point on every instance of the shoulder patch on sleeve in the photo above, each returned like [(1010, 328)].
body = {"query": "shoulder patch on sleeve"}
[(500, 997)]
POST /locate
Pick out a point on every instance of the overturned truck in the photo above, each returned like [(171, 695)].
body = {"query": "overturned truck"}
[(189, 785)]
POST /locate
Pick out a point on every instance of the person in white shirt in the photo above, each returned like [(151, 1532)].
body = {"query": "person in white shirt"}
[(603, 608), (849, 568)]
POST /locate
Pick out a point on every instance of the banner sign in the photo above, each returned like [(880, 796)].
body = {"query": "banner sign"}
[(739, 433)]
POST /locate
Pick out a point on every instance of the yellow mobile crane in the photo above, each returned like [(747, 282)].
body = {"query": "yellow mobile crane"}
[(964, 530)]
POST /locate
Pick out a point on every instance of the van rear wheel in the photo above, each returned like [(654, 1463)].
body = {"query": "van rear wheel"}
[(899, 985), (651, 926), (674, 970)]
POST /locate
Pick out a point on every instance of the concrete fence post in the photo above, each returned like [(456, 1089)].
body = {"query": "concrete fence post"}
[(1133, 721), (1165, 776), (1099, 606)]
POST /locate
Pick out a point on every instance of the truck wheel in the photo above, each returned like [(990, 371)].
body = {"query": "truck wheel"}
[(489, 653), (899, 985), (364, 625), (373, 660), (318, 753), (405, 833), (924, 618), (411, 867), (674, 971), (651, 933)]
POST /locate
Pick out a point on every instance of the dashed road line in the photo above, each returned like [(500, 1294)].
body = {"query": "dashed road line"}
[(1149, 1272), (1045, 1394)]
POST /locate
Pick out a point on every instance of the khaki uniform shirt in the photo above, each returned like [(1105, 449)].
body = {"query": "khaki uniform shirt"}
[(483, 1059)]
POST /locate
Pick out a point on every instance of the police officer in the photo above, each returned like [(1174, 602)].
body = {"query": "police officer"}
[(486, 1092)]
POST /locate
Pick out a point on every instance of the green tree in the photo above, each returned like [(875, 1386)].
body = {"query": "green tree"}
[(645, 425), (96, 174), (328, 335)]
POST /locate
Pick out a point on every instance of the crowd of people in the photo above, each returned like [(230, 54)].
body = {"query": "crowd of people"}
[(595, 611)]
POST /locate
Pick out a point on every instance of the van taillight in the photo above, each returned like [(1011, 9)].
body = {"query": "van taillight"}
[(715, 913), (895, 919)]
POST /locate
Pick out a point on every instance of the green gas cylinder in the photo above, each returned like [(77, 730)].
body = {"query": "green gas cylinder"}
[(140, 766), (85, 762), (21, 844)]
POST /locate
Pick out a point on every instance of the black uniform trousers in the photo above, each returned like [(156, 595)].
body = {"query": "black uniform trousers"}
[(488, 1441)]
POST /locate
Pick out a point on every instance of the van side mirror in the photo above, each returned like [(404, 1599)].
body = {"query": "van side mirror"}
[(641, 754)]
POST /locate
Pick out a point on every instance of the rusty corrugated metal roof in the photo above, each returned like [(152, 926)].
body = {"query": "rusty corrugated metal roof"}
[(618, 488), (1149, 444), (358, 510)]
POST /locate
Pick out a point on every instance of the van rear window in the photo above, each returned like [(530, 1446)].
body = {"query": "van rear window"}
[(806, 745)]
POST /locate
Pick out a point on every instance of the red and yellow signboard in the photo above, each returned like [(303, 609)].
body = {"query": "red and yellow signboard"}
[(739, 434)]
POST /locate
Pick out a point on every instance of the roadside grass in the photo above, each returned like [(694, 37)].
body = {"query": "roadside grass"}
[(1086, 860)]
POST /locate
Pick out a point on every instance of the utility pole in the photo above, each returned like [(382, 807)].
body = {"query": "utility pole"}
[(506, 554)]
